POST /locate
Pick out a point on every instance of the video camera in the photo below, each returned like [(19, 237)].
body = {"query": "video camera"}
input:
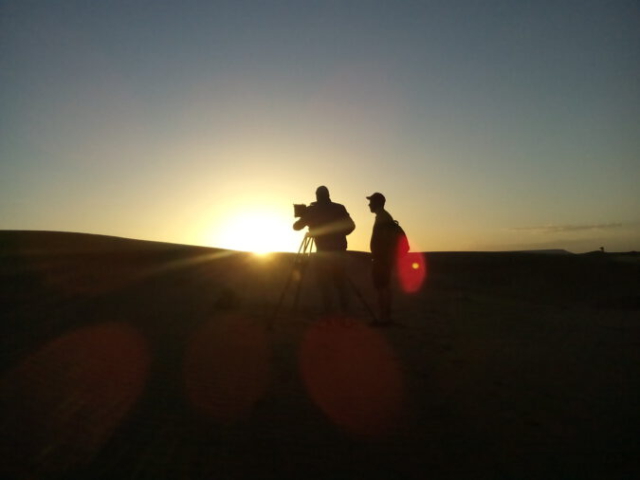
[(299, 209)]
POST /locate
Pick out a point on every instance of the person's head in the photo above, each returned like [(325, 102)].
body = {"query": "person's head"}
[(322, 194), (376, 202)]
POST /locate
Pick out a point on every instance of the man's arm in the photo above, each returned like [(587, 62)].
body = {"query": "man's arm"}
[(346, 223), (350, 225), (383, 238), (300, 224)]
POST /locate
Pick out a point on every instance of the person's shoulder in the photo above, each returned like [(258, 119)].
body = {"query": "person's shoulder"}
[(385, 217), (338, 207), (314, 207)]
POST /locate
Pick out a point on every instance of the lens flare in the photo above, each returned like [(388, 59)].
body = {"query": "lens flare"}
[(351, 374), (412, 271), (60, 406)]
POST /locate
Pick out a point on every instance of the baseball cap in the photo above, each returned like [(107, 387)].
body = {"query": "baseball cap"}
[(377, 197)]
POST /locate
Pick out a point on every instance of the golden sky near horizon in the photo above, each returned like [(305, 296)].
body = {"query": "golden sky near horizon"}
[(487, 127)]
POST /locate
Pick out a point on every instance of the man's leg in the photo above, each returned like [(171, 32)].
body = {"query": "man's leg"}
[(339, 278)]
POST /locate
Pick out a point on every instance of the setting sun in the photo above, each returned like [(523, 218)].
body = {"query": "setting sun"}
[(260, 232)]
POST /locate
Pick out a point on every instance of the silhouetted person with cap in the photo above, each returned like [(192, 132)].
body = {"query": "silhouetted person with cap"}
[(383, 253), (329, 224)]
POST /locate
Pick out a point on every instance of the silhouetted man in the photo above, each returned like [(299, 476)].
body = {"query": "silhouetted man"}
[(383, 253), (329, 224)]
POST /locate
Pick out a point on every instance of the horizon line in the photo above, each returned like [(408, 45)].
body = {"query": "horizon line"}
[(556, 251)]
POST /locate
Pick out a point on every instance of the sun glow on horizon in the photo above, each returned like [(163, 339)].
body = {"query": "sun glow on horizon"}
[(260, 232)]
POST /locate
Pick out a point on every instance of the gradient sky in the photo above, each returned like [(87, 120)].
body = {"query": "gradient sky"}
[(488, 125)]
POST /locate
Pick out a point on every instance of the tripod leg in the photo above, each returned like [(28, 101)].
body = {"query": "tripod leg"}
[(296, 261), (304, 263), (299, 259), (364, 302)]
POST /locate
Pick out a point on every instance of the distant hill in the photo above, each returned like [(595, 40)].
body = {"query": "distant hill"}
[(34, 241), (505, 252), (557, 251)]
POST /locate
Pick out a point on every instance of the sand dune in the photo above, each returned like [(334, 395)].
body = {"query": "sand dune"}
[(131, 359)]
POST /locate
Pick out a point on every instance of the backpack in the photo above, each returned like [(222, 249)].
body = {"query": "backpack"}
[(401, 240)]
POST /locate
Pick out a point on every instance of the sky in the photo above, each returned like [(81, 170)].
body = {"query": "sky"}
[(488, 125)]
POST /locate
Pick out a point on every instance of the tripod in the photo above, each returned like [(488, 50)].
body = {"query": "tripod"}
[(300, 264)]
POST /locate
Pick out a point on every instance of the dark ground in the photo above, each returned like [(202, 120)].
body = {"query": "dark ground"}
[(129, 359)]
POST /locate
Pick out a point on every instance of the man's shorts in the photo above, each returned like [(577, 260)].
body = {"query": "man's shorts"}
[(381, 273)]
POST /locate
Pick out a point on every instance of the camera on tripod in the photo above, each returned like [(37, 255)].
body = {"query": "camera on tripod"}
[(299, 209)]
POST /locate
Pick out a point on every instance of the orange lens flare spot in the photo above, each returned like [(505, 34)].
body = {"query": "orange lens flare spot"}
[(62, 403), (412, 271), (351, 374), (226, 368)]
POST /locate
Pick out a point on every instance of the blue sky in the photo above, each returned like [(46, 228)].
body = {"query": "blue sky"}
[(487, 125)]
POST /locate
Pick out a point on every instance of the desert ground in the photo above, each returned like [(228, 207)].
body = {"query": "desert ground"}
[(132, 359)]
